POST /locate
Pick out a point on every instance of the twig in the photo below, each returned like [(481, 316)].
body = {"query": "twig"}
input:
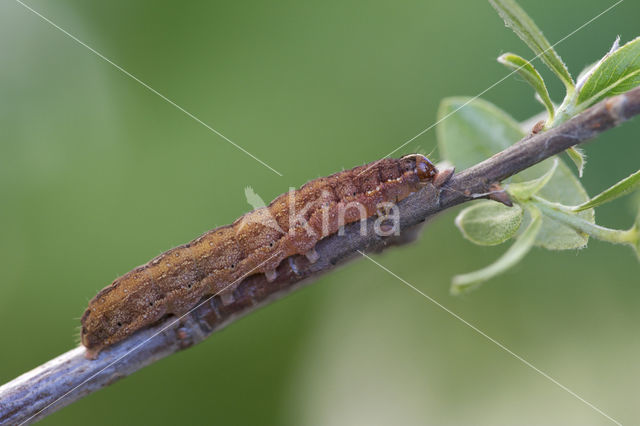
[(70, 376)]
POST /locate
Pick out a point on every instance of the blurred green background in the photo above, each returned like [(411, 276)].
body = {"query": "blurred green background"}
[(98, 175)]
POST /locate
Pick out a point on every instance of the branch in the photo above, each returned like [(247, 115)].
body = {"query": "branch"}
[(70, 376)]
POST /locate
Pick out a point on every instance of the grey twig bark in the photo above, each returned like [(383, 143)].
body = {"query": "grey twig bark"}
[(70, 376)]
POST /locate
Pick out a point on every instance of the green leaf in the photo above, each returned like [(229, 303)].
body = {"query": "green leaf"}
[(563, 214), (557, 183), (523, 191), (488, 223), (515, 253), (579, 159), (626, 185), (517, 19), (532, 76), (617, 72), (585, 71), (565, 188), (478, 130)]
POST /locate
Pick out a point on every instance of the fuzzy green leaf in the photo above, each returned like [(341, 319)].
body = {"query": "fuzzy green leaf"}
[(585, 71), (557, 183), (617, 72), (524, 190), (579, 159), (476, 131), (517, 19), (625, 186), (564, 187), (564, 214), (488, 223), (532, 76), (515, 253)]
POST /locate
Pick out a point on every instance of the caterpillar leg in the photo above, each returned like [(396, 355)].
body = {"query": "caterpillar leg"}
[(383, 210), (226, 297), (312, 255), (185, 339), (271, 275), (92, 353), (293, 266)]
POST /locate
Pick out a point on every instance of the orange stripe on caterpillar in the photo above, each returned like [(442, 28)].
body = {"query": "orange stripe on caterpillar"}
[(174, 282)]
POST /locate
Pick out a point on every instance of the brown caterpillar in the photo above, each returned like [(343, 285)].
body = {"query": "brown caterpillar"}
[(174, 282)]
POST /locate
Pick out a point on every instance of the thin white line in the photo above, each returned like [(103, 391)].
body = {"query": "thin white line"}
[(491, 339), (497, 82), (171, 324), (127, 73)]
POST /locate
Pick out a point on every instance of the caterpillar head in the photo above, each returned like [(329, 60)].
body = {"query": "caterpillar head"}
[(422, 167)]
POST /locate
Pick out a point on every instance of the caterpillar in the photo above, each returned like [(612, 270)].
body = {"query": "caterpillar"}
[(256, 243)]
